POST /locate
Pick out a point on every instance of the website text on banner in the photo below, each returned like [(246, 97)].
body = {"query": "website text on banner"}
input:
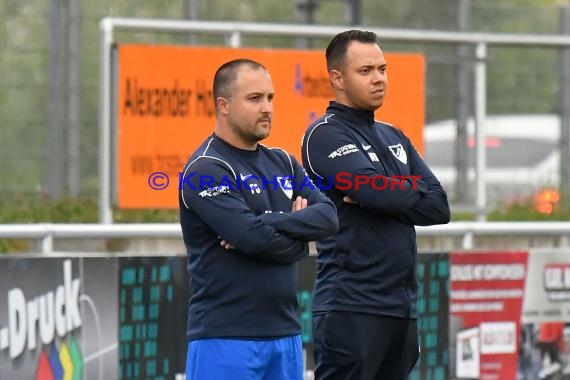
[(165, 107)]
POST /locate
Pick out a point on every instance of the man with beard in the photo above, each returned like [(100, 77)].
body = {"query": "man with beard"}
[(365, 301), (245, 225)]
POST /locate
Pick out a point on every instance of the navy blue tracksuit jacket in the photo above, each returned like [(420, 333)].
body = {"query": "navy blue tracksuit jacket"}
[(369, 265), (245, 197)]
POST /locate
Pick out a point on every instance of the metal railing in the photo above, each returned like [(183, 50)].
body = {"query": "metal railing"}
[(45, 234), (234, 31)]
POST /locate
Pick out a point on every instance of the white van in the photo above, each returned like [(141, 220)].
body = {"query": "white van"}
[(523, 154)]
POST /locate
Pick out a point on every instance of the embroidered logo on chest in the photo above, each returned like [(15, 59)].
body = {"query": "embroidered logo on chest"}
[(399, 152), (286, 186)]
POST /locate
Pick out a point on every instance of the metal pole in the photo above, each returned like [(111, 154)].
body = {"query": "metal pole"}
[(46, 244), (321, 31), (464, 98), (54, 136), (192, 13), (354, 12), (106, 40), (73, 96), (304, 12), (236, 29), (564, 109), (480, 131), (234, 39)]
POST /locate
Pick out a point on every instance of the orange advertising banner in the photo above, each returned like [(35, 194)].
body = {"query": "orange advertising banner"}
[(165, 108)]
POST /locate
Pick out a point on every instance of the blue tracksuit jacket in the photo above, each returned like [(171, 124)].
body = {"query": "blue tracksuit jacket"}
[(245, 197), (369, 265)]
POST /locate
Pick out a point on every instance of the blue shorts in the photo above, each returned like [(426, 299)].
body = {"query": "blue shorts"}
[(236, 359)]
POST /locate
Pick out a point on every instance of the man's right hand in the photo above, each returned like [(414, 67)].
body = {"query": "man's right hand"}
[(347, 199), (299, 203)]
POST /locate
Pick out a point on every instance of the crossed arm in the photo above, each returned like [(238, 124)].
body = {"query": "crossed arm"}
[(280, 236), (417, 199)]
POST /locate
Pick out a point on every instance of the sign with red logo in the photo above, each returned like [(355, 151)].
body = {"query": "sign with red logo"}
[(486, 299)]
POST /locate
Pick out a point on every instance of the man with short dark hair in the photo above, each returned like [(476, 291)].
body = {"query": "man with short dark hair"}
[(245, 224), (365, 301)]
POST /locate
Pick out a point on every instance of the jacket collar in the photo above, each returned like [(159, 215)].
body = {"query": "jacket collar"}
[(353, 116)]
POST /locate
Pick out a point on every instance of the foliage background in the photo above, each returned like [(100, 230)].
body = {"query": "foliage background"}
[(519, 80)]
